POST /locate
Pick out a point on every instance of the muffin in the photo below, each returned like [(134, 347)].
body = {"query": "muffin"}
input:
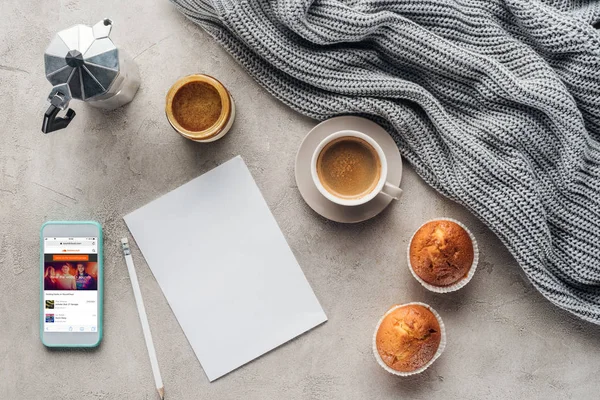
[(408, 338), (442, 253)]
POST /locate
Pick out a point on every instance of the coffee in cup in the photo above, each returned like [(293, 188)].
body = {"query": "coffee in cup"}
[(200, 108), (350, 168)]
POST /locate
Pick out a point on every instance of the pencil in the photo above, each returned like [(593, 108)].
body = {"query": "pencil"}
[(143, 318)]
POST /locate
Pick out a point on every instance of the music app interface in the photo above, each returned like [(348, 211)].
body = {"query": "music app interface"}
[(70, 284)]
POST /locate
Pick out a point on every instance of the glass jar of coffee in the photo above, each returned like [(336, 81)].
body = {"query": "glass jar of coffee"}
[(200, 108)]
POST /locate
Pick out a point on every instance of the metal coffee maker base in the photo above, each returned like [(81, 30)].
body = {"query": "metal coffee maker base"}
[(128, 81), (83, 63)]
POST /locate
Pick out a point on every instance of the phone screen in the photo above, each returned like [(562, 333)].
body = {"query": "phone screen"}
[(70, 284)]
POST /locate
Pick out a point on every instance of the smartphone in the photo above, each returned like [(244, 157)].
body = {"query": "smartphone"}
[(71, 281)]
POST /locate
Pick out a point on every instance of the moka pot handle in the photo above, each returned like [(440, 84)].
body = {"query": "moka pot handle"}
[(51, 121)]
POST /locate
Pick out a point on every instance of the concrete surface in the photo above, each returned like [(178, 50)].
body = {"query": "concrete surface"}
[(505, 341)]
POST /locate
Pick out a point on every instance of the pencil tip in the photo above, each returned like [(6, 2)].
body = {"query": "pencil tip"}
[(161, 393)]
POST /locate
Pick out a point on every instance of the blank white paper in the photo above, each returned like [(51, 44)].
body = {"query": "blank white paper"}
[(225, 268)]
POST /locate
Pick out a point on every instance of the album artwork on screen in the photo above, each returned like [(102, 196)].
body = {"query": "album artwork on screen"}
[(70, 284)]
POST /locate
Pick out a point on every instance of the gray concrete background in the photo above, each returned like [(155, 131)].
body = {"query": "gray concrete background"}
[(504, 339)]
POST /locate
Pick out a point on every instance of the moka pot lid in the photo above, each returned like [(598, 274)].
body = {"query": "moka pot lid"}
[(82, 61)]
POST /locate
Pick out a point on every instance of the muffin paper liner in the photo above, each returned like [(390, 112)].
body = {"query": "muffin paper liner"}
[(438, 353), (460, 283)]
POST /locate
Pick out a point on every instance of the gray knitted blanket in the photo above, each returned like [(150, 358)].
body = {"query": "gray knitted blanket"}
[(495, 103)]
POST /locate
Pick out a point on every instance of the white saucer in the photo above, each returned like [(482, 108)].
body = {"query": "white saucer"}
[(314, 198)]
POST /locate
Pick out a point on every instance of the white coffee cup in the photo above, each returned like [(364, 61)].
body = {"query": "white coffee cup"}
[(382, 186)]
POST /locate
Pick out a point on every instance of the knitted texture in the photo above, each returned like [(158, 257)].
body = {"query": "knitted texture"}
[(495, 104)]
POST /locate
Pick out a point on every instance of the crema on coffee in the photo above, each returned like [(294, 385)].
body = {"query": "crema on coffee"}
[(197, 106), (349, 167), (200, 108)]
